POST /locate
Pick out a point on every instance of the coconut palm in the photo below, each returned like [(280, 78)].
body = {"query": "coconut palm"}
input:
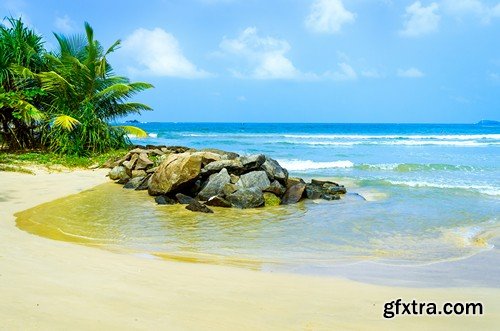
[(19, 98), (84, 96)]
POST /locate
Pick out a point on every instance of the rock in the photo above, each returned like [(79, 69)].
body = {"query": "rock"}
[(164, 200), (252, 162), (176, 172), (354, 197), (151, 170), (143, 162), (144, 184), (93, 166), (198, 207), (291, 181), (294, 194), (270, 199), (207, 157), (257, 179), (215, 185), (330, 197), (175, 149), (322, 182), (233, 166), (158, 152), (129, 165), (183, 199), (247, 198), (118, 172), (133, 183), (234, 178), (276, 188), (223, 154), (139, 150), (274, 170), (138, 173), (314, 191), (334, 189), (218, 201), (229, 189)]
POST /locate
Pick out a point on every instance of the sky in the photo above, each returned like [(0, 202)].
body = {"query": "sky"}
[(334, 61)]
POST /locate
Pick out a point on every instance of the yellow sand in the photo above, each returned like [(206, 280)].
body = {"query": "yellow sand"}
[(51, 285)]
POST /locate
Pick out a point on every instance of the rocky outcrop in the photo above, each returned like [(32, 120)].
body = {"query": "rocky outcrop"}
[(215, 178)]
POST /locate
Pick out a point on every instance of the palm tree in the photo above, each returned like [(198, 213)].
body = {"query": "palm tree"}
[(84, 96), (19, 98)]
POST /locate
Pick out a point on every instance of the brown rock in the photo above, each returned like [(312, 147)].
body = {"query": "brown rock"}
[(294, 194), (143, 162), (217, 201), (291, 181), (138, 173), (176, 172)]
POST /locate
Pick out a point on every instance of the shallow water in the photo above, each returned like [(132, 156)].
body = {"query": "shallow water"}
[(433, 195)]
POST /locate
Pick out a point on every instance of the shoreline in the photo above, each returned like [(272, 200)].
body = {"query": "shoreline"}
[(47, 284)]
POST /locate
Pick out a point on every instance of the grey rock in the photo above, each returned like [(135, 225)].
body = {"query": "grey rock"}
[(229, 189), (184, 199), (247, 198), (252, 162), (294, 194), (144, 184), (257, 179), (334, 189), (224, 155), (314, 191), (196, 206), (215, 185), (164, 200), (218, 201), (320, 182), (276, 188), (330, 197), (233, 166), (133, 183), (274, 170)]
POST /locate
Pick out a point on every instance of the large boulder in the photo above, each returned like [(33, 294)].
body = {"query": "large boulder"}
[(246, 198), (233, 166), (274, 170), (207, 157), (294, 194), (257, 179), (252, 162), (215, 185), (176, 172)]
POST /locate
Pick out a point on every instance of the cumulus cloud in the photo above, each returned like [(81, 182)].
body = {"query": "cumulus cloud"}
[(64, 24), (158, 53), (344, 72), (265, 55), (328, 16), (420, 20), (410, 73), (463, 8)]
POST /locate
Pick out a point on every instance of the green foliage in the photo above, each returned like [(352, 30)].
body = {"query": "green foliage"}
[(66, 98)]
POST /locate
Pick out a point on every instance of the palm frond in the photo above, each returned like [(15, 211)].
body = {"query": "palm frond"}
[(133, 130), (65, 122)]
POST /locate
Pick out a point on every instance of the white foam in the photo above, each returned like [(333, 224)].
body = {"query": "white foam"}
[(301, 165), (153, 135), (484, 189)]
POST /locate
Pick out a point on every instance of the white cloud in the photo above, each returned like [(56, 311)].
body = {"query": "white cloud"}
[(371, 73), (410, 73), (463, 8), (420, 20), (266, 55), (158, 53), (344, 72), (328, 16), (64, 24)]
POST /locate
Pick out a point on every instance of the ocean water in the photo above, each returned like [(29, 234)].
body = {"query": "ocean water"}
[(432, 195)]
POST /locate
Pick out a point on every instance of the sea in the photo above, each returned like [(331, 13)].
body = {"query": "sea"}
[(418, 195)]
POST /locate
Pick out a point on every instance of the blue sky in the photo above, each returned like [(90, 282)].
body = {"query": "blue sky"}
[(296, 60)]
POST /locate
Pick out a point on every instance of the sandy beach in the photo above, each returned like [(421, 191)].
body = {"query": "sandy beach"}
[(52, 285)]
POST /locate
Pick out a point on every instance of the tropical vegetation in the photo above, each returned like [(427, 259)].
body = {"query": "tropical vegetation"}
[(63, 100)]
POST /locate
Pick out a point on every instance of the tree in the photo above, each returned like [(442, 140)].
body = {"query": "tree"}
[(20, 47)]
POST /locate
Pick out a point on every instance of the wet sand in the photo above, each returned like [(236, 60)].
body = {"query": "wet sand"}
[(52, 285)]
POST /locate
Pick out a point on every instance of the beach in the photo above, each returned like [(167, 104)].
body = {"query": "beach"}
[(46, 284)]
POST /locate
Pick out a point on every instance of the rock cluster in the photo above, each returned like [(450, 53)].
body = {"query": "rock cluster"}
[(211, 177)]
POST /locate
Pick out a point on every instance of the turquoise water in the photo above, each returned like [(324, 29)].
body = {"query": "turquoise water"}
[(432, 195)]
